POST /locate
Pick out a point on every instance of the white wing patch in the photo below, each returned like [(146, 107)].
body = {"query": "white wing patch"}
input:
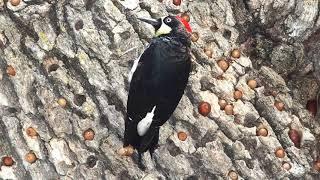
[(145, 123), (135, 65)]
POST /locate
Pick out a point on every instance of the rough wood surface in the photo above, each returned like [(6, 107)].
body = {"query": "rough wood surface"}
[(82, 50)]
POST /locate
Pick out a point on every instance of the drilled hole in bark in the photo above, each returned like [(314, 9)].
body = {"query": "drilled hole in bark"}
[(12, 110), (91, 161), (79, 99), (192, 177), (125, 35), (173, 149), (227, 34), (80, 114), (53, 67), (214, 28), (295, 136), (78, 25), (312, 106)]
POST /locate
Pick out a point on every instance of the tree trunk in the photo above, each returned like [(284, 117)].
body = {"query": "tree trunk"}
[(82, 50)]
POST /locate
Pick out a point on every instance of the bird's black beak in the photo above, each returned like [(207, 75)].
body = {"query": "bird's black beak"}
[(155, 23)]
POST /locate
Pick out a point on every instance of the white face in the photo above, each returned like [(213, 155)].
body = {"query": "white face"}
[(164, 28)]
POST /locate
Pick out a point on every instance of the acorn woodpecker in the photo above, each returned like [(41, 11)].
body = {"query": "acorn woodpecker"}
[(157, 82)]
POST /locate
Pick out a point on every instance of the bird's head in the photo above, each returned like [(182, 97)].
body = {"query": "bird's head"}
[(169, 25)]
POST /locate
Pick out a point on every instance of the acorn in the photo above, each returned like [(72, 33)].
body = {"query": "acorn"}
[(252, 83), (222, 103), (312, 107), (126, 151), (15, 2), (233, 175), (204, 108), (236, 53), (262, 132), (7, 161), (237, 94), (88, 134), (229, 109), (194, 36), (279, 105), (223, 64), (177, 2), (122, 151), (280, 153), (31, 132), (185, 16), (182, 136), (295, 137), (286, 166), (130, 150), (11, 71), (316, 165), (30, 157), (208, 52), (62, 102)]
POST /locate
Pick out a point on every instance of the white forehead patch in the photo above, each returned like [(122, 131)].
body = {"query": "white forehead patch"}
[(164, 29)]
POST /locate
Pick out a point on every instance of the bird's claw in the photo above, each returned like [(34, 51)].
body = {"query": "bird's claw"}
[(140, 163)]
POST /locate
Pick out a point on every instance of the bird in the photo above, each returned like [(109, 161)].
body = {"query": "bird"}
[(157, 82)]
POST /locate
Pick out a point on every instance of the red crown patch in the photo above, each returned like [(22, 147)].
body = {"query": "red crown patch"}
[(185, 23)]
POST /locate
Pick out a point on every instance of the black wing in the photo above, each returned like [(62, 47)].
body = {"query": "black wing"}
[(159, 80)]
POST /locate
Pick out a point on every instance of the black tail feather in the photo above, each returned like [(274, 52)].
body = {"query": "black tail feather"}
[(155, 142), (142, 143), (140, 163), (131, 136), (150, 140)]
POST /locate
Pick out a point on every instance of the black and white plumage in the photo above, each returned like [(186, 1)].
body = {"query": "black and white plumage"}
[(157, 82)]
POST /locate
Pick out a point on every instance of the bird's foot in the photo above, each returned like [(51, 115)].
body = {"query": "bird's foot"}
[(156, 146), (141, 166), (151, 151), (140, 163)]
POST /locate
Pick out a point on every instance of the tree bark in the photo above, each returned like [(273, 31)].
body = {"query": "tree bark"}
[(82, 51)]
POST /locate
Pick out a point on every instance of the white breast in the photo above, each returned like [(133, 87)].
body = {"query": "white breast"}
[(145, 123)]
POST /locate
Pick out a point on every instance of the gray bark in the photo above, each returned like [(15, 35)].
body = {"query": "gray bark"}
[(85, 48)]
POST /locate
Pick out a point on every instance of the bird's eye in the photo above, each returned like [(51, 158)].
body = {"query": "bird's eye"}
[(168, 20)]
